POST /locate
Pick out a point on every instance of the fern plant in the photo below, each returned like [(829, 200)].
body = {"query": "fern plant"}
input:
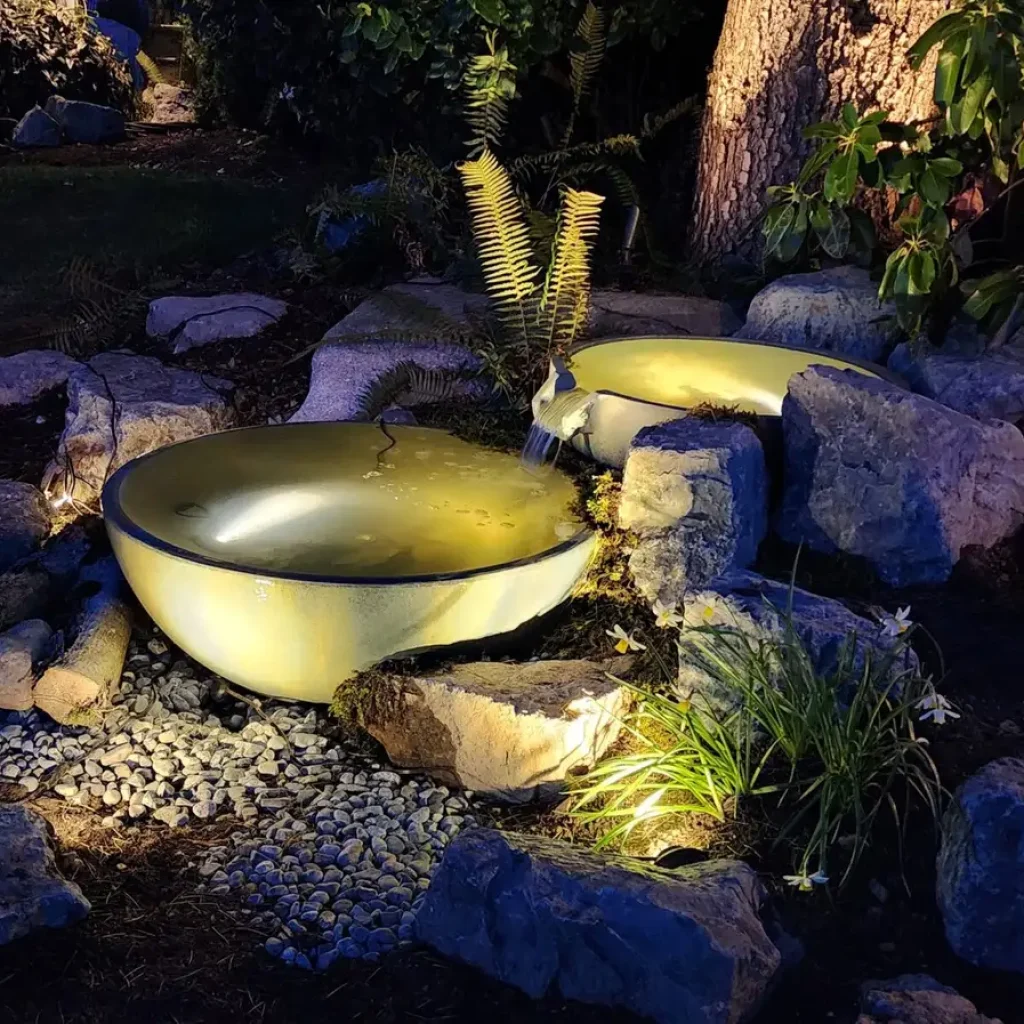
[(490, 85)]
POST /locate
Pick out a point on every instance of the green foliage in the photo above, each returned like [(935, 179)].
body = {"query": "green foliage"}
[(979, 89), (490, 87), (823, 754), (47, 48)]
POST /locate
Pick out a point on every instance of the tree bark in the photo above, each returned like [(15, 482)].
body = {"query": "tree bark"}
[(781, 65)]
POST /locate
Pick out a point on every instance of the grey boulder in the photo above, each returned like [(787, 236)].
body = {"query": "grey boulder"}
[(618, 314), (86, 122), (188, 321), (894, 477), (682, 945), (24, 521), (980, 883), (32, 893), (36, 130), (916, 999), (985, 385), (121, 406), (695, 494), (26, 376), (834, 310)]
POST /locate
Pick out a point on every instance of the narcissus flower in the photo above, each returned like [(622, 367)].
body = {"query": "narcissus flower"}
[(666, 615), (624, 640)]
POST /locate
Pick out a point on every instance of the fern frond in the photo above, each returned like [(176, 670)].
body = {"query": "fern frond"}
[(150, 69), (503, 242), (526, 167), (625, 190), (653, 123), (565, 298), (584, 60), (490, 84), (408, 384)]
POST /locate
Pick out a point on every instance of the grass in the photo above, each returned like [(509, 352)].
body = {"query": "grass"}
[(124, 219)]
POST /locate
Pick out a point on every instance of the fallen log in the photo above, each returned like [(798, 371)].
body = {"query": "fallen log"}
[(21, 649), (78, 686)]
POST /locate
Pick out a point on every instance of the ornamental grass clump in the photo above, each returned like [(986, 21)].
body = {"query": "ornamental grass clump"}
[(823, 754)]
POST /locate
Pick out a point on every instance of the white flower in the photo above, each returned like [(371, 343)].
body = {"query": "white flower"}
[(666, 616), (625, 641), (937, 708), (895, 625), (805, 883)]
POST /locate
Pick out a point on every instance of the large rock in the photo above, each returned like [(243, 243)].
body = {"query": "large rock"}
[(188, 321), (170, 104), (981, 867), (893, 477), (835, 310), (682, 945), (759, 608), (21, 648), (509, 730), (696, 495), (916, 999), (29, 375), (32, 893), (985, 385), (617, 314), (121, 406), (86, 122), (36, 130), (24, 521)]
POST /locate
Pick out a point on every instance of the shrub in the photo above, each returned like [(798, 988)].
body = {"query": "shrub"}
[(47, 48), (825, 753)]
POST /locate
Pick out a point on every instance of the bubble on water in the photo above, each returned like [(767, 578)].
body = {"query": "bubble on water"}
[(365, 537), (372, 473), (462, 511), (482, 512), (509, 526), (422, 455)]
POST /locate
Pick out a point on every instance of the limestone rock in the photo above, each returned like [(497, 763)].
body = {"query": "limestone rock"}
[(510, 730), (86, 122), (26, 376), (916, 999), (36, 130), (696, 495), (893, 477), (681, 945), (121, 406), (169, 104), (757, 606), (985, 385), (24, 521), (981, 867), (618, 314), (188, 321), (32, 894), (835, 310), (21, 647)]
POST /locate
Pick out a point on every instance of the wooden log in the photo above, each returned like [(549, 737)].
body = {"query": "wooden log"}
[(21, 648), (79, 685)]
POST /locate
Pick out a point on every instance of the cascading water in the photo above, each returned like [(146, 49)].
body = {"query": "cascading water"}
[(560, 411)]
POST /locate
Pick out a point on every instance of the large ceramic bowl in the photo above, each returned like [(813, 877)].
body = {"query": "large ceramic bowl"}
[(287, 558), (630, 383)]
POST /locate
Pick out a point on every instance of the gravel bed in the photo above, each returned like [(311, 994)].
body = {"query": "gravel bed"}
[(334, 850)]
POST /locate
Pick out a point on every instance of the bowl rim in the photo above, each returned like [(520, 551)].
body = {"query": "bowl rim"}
[(882, 372), (115, 516)]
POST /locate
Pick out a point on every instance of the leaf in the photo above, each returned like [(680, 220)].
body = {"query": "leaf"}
[(963, 248), (823, 130), (777, 222), (869, 135), (793, 240), (964, 112), (946, 166), (862, 231), (877, 117), (816, 162), (933, 189), (850, 116), (841, 179), (935, 34), (923, 271), (489, 10), (892, 266), (832, 228), (978, 304), (947, 70)]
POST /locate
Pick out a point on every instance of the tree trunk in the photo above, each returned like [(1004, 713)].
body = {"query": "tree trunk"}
[(780, 66)]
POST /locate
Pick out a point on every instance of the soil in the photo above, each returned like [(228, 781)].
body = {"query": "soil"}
[(154, 949)]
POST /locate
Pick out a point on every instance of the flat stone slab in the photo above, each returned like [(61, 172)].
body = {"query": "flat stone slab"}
[(980, 883), (696, 495), (682, 945), (26, 376), (24, 521), (620, 314), (510, 730), (121, 406), (32, 893), (834, 310), (190, 321), (916, 999), (985, 385), (894, 477)]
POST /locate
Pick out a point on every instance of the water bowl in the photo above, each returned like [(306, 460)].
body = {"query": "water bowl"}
[(288, 558), (614, 387)]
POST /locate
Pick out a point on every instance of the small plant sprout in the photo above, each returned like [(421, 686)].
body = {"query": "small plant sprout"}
[(666, 616), (805, 883), (624, 641), (936, 708), (894, 626)]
